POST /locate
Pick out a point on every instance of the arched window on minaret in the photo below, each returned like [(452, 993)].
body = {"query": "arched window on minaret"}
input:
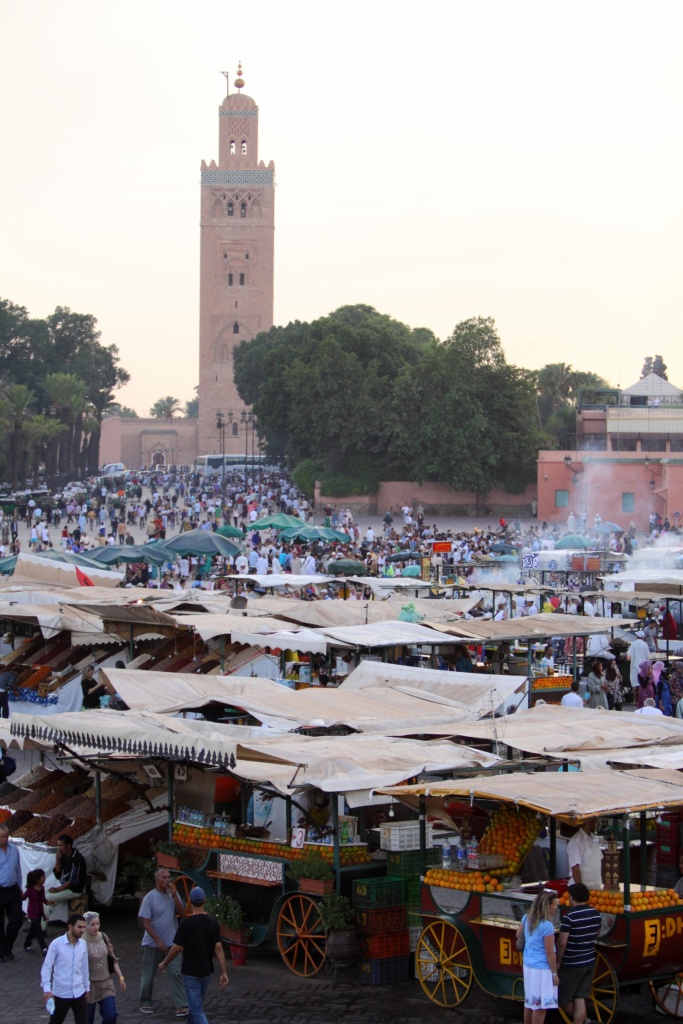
[(217, 209), (233, 147), (230, 280), (243, 209), (244, 147), (231, 209), (224, 354), (235, 430), (235, 328)]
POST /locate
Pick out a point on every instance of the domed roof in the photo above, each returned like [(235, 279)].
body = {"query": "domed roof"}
[(238, 101)]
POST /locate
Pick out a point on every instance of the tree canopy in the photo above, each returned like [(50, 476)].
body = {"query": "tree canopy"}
[(166, 408), (558, 386), (356, 397), (654, 364), (56, 378)]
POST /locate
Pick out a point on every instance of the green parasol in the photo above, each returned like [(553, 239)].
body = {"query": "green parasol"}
[(278, 521), (201, 542), (347, 567), (230, 531), (572, 540)]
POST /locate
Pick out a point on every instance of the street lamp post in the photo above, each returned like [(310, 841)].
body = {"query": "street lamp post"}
[(247, 418), (221, 425)]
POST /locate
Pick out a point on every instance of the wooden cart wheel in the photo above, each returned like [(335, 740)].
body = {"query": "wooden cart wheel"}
[(443, 963), (601, 1004), (184, 886), (671, 1000), (300, 935)]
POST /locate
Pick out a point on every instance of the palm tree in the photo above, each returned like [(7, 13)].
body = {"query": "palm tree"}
[(19, 398), (67, 393), (90, 426), (165, 408)]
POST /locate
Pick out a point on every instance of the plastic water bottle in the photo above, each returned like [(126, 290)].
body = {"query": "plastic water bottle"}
[(461, 856), (446, 855), (50, 1006), (473, 853)]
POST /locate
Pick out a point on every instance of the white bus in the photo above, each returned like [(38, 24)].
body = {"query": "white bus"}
[(214, 465)]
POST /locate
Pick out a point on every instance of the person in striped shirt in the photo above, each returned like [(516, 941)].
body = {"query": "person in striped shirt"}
[(576, 952)]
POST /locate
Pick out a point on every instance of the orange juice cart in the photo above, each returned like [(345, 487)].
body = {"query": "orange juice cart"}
[(470, 915)]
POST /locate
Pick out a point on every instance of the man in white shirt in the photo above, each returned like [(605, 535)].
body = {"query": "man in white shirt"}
[(241, 564), (64, 975), (572, 699), (585, 856)]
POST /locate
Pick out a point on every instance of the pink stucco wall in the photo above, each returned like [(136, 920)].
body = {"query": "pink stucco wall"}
[(393, 494), (599, 481)]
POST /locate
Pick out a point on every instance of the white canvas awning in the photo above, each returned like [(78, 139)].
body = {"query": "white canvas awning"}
[(388, 634), (370, 710), (480, 693), (34, 569)]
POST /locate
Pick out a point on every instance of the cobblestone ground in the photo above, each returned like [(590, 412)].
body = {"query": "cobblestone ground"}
[(263, 991)]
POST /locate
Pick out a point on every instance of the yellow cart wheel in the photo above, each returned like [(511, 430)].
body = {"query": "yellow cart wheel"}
[(668, 995), (300, 935), (443, 964), (601, 1004)]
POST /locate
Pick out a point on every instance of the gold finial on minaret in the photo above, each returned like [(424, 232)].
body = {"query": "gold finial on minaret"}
[(239, 81)]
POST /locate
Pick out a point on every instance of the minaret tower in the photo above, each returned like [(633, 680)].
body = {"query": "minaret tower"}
[(237, 233)]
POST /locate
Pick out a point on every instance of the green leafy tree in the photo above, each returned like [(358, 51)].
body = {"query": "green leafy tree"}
[(124, 411), (558, 386), (654, 364), (67, 394), (19, 399), (316, 388), (165, 408), (192, 406)]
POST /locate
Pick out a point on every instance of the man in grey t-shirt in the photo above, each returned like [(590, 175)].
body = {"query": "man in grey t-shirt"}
[(158, 914)]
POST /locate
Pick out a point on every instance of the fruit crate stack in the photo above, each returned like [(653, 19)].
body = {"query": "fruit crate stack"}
[(668, 844), (380, 905), (401, 840)]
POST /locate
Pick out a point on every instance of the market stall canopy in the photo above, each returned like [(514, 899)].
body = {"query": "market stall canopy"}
[(201, 542), (570, 796), (549, 729), (541, 626), (371, 710), (481, 693), (129, 553), (388, 634), (119, 733), (210, 625), (278, 521), (85, 627), (33, 569), (356, 613), (285, 579), (382, 584), (20, 594), (230, 531), (306, 641), (349, 764)]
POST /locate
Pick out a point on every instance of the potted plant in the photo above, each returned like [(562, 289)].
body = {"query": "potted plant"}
[(230, 916), (312, 873), (172, 855), (136, 876), (339, 922)]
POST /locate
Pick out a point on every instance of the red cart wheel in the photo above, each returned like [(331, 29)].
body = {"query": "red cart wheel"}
[(601, 1004), (443, 964), (300, 935), (668, 995)]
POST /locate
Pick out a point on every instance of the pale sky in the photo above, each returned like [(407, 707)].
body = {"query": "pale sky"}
[(438, 161)]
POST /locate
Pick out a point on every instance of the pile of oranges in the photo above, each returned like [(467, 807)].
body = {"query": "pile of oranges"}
[(613, 902), (510, 834), (204, 838), (469, 881), (551, 683)]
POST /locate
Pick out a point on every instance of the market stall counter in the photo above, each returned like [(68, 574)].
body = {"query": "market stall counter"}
[(470, 915)]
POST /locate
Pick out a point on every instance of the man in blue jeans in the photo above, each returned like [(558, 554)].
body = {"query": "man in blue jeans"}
[(198, 938)]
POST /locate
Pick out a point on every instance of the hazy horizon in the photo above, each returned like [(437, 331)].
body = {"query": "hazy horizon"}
[(515, 161)]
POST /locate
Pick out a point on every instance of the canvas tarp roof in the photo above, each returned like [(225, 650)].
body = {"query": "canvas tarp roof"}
[(370, 710), (478, 692), (44, 570), (546, 624), (210, 624), (308, 641), (356, 613), (572, 796), (349, 763), (85, 627), (547, 729), (388, 634), (111, 733)]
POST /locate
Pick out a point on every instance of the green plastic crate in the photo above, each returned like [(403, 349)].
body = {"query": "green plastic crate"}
[(413, 886), (405, 863), (379, 892)]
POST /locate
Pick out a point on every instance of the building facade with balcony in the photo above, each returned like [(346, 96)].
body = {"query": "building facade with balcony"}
[(627, 461)]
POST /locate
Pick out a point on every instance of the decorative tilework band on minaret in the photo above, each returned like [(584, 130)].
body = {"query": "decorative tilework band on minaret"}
[(237, 237)]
